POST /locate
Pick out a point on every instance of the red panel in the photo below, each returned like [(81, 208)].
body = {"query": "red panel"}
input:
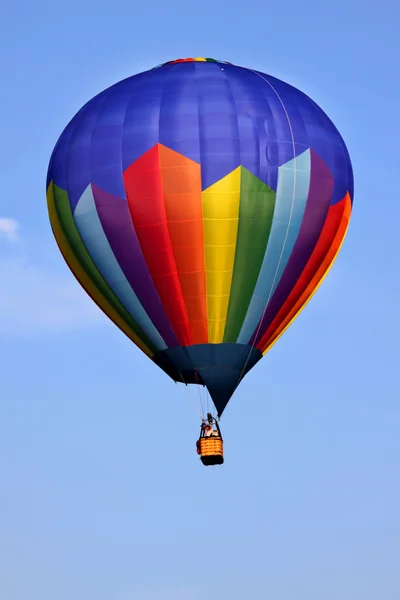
[(324, 252), (145, 197)]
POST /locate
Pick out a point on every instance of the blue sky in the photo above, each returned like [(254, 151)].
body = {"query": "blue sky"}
[(102, 495)]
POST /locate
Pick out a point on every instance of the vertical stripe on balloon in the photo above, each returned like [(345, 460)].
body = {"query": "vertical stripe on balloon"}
[(257, 202), (93, 236), (181, 184), (68, 225), (117, 224), (321, 249), (220, 216), (318, 266), (318, 202), (144, 191), (55, 196), (291, 198)]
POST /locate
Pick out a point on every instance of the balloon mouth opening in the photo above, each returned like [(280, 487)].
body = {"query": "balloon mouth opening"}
[(220, 367), (197, 59)]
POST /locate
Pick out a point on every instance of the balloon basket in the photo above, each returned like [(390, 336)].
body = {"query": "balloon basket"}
[(211, 451)]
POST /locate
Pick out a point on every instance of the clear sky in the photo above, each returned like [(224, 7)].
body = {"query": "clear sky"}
[(306, 506)]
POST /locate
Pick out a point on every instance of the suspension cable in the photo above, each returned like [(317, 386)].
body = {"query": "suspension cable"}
[(190, 394), (287, 230)]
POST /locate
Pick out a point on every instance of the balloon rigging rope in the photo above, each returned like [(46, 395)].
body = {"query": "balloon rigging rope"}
[(207, 398), (287, 229), (200, 398), (190, 395)]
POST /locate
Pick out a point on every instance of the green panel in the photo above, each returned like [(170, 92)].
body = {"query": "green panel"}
[(257, 203), (68, 225)]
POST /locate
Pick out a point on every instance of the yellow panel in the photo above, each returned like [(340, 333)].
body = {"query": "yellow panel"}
[(220, 217), (218, 236), (82, 276), (220, 210)]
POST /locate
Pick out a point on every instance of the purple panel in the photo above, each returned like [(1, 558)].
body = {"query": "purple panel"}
[(117, 224), (217, 115), (318, 202)]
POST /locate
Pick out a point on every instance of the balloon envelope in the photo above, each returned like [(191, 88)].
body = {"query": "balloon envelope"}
[(200, 205)]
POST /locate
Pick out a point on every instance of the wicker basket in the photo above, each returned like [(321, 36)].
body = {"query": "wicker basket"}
[(212, 450)]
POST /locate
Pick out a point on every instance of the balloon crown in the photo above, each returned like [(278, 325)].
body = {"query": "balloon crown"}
[(198, 59)]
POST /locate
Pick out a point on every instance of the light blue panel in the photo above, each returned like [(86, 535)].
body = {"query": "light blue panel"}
[(302, 187), (291, 198), (95, 240)]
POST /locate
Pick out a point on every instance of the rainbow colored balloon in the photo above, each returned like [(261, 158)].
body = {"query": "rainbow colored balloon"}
[(200, 205)]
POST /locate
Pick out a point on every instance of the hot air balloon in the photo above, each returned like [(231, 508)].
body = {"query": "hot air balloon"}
[(200, 204)]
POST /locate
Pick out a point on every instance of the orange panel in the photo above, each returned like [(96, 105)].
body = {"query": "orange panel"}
[(181, 183)]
